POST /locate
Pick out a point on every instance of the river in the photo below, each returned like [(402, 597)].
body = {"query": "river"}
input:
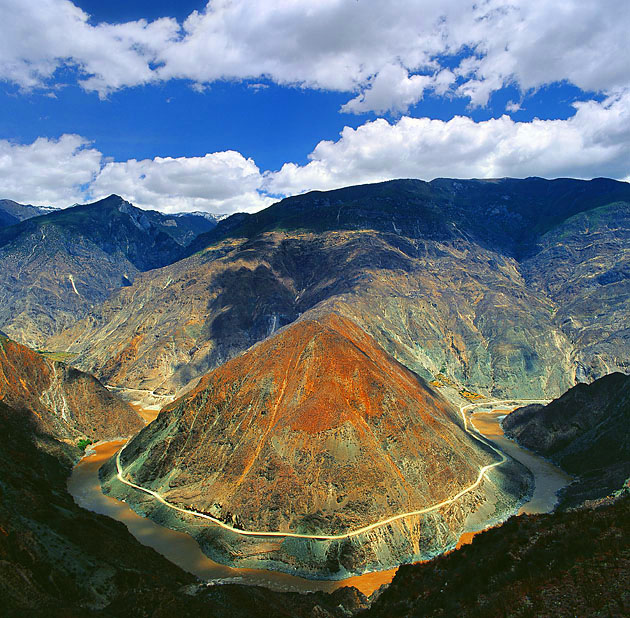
[(548, 477), (183, 550)]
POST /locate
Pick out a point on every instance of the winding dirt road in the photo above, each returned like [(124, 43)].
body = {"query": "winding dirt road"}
[(335, 537)]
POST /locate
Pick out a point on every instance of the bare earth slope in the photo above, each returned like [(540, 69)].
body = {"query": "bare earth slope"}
[(64, 402), (496, 286), (453, 308), (316, 430)]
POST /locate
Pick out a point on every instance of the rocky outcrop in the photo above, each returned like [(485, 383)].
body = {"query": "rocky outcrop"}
[(315, 431), (586, 432), (56, 267), (62, 402), (583, 266)]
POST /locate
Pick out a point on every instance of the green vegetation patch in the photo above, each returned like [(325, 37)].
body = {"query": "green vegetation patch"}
[(61, 357), (83, 443)]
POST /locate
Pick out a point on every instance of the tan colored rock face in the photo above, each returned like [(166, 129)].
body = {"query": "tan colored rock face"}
[(506, 287), (315, 429), (65, 403)]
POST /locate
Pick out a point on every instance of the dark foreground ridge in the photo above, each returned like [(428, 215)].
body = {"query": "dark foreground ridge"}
[(586, 432), (564, 564)]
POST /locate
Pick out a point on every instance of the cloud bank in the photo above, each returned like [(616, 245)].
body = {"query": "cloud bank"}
[(220, 182), (594, 142), (388, 55)]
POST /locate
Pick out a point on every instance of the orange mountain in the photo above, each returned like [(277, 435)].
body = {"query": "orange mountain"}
[(315, 429)]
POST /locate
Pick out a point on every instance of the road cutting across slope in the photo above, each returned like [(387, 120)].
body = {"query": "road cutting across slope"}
[(384, 522)]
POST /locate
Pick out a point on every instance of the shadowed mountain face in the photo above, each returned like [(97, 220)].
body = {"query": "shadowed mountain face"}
[(63, 402), (56, 267), (563, 564), (507, 215), (461, 281), (583, 267), (586, 432)]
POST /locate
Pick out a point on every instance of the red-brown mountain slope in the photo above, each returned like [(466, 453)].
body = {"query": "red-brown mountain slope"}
[(66, 403), (314, 429)]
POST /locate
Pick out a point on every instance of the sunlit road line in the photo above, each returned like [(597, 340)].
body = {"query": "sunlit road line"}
[(336, 537)]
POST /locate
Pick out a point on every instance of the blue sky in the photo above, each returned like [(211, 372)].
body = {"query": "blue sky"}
[(241, 103)]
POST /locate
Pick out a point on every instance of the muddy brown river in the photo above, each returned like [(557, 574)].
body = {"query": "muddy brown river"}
[(183, 550)]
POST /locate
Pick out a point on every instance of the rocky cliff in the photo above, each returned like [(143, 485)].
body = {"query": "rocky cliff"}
[(464, 282)]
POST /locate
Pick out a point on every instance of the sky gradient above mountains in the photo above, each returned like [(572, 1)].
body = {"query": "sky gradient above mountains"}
[(230, 105)]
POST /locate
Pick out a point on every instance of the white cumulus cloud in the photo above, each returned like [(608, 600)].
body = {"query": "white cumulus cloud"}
[(220, 182), (594, 142), (49, 172), (39, 36), (386, 54)]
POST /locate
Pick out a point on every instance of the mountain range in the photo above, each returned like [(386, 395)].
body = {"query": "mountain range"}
[(11, 212), (505, 288), (58, 266), (316, 358)]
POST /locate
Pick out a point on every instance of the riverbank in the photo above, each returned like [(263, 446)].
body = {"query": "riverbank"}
[(184, 551)]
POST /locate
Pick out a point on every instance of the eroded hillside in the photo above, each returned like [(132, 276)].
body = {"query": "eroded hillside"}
[(464, 282), (61, 401)]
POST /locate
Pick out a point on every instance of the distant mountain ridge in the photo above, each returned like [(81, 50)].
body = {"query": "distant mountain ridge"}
[(508, 214), (11, 212), (56, 267)]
